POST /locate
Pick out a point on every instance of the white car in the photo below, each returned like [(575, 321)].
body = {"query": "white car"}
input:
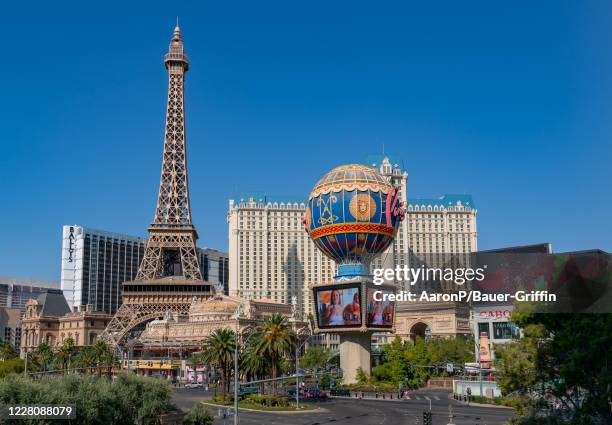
[(194, 385)]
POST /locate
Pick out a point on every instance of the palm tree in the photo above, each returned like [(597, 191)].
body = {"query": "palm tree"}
[(86, 357), (108, 359), (65, 353), (44, 356), (274, 339), (102, 354), (253, 365), (7, 351), (219, 352)]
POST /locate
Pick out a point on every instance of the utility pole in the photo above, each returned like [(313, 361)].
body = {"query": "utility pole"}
[(294, 315), (238, 313), (25, 365), (479, 369), (297, 376), (236, 383)]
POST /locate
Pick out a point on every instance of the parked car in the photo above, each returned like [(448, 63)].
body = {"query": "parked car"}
[(315, 393), (194, 385)]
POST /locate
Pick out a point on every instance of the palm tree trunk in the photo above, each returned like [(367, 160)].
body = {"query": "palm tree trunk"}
[(223, 372), (274, 373)]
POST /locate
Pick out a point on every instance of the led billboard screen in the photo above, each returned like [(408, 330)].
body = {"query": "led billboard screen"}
[(380, 310), (338, 307)]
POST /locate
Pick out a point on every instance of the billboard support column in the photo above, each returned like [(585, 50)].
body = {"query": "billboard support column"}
[(354, 354)]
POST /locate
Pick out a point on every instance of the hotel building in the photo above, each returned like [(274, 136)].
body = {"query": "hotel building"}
[(95, 264), (270, 254), (15, 293), (49, 319), (437, 232)]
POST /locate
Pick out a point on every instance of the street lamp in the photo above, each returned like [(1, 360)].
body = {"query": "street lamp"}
[(25, 366), (238, 313), (479, 366), (298, 347)]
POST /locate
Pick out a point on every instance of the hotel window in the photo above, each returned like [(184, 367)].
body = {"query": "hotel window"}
[(506, 330), (483, 328)]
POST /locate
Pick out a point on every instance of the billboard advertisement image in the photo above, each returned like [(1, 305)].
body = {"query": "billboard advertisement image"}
[(338, 306), (380, 310)]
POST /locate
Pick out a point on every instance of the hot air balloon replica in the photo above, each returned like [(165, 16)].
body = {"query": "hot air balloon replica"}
[(353, 214)]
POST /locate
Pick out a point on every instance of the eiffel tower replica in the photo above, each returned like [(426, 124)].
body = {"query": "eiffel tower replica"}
[(169, 277)]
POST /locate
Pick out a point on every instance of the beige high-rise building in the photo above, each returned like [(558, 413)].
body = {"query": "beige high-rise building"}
[(270, 254), (442, 231), (437, 232), (397, 253)]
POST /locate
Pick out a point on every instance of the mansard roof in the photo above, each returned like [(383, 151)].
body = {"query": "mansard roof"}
[(53, 303)]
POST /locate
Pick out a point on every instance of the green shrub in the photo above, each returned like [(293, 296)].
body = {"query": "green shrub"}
[(362, 376), (229, 399), (326, 381), (382, 372), (198, 416), (14, 365), (98, 400), (267, 400), (372, 387)]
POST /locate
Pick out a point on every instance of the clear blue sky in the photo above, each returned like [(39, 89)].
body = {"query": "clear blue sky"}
[(507, 101)]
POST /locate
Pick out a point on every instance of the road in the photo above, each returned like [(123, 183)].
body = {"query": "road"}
[(366, 412)]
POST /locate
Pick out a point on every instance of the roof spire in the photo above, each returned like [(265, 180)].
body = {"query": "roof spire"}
[(177, 30), (176, 52)]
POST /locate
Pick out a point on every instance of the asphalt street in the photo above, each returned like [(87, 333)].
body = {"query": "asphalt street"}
[(365, 412)]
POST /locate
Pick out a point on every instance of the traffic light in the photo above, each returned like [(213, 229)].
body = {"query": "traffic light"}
[(426, 418)]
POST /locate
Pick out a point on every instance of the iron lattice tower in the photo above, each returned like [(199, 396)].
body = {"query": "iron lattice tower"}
[(172, 232), (169, 275)]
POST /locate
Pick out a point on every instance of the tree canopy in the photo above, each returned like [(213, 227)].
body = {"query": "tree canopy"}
[(412, 363), (316, 358), (219, 349), (562, 366)]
